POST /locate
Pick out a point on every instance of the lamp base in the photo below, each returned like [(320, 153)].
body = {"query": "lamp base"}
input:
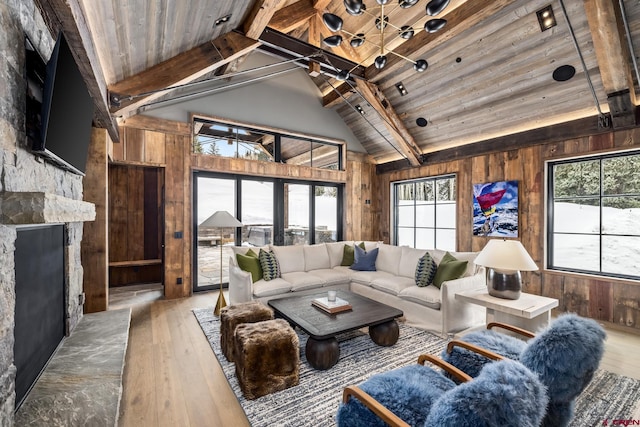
[(220, 304), (504, 284)]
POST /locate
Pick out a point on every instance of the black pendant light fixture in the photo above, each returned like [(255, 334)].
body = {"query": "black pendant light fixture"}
[(385, 29)]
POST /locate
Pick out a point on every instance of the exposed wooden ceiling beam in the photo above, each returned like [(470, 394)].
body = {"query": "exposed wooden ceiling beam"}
[(291, 17), (67, 16), (403, 141), (259, 17), (288, 47), (605, 23), (182, 68), (321, 5), (253, 26), (561, 132), (315, 23), (462, 18)]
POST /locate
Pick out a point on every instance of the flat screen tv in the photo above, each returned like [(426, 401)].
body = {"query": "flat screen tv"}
[(61, 132)]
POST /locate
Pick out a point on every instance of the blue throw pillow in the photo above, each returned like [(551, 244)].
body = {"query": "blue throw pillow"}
[(364, 261)]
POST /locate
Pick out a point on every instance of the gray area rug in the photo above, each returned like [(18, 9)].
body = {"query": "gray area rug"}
[(315, 400)]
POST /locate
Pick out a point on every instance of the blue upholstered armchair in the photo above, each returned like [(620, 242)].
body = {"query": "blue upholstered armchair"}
[(564, 357), (503, 394)]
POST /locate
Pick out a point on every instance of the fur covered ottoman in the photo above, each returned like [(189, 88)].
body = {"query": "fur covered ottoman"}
[(267, 357), (234, 315)]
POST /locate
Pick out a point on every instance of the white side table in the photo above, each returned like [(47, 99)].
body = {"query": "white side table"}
[(530, 312)]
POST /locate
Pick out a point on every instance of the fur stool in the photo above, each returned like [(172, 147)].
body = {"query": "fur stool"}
[(267, 357), (233, 315)]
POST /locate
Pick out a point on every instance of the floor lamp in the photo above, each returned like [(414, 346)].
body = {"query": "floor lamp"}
[(221, 220)]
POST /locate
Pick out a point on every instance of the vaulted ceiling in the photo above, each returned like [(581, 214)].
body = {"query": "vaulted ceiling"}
[(489, 79)]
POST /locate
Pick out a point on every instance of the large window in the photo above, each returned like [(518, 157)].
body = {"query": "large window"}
[(425, 213), (216, 138), (272, 211), (593, 214)]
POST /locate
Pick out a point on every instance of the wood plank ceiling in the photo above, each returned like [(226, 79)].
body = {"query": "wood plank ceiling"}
[(489, 75)]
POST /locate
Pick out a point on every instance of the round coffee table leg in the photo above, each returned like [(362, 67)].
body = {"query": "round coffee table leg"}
[(322, 354), (385, 334)]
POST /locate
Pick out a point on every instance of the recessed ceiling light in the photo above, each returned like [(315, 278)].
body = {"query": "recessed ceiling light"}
[(422, 122), (402, 89), (563, 73), (360, 110), (222, 20), (546, 19)]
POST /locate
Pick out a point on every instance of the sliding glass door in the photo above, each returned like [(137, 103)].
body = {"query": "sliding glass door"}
[(210, 254), (272, 211)]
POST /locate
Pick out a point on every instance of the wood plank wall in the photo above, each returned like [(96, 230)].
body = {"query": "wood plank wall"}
[(135, 224), (94, 248), (165, 146), (604, 299)]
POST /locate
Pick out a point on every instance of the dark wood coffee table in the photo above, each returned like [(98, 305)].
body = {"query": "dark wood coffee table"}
[(322, 349)]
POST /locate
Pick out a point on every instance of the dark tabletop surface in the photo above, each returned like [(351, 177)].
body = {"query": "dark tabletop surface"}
[(319, 324)]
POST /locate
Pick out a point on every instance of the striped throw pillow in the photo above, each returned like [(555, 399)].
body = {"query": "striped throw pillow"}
[(425, 270), (269, 264)]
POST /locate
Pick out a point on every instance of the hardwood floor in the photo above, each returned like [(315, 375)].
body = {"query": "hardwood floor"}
[(172, 378)]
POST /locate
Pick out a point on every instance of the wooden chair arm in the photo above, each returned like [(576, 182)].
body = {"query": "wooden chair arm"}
[(376, 407), (472, 347), (511, 328), (460, 375)]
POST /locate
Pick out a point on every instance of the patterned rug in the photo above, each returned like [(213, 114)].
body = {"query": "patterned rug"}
[(315, 400)]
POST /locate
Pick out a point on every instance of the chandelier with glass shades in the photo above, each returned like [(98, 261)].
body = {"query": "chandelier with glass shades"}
[(385, 30)]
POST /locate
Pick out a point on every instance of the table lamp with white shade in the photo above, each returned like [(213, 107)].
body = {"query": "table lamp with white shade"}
[(222, 220), (505, 259)]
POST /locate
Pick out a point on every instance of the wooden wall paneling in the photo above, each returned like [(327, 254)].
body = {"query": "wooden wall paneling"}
[(135, 214), (354, 201), (174, 260), (95, 242), (134, 146), (151, 214), (187, 212), (118, 226), (601, 142), (552, 286), (601, 300), (576, 295), (154, 147), (465, 206), (626, 307), (117, 148)]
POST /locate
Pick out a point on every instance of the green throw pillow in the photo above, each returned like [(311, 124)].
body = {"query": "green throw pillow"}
[(449, 269), (348, 256), (425, 270), (251, 264), (269, 264)]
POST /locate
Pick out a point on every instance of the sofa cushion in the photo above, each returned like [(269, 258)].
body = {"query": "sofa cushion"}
[(364, 261), (425, 270), (333, 276), (392, 285), (336, 252), (243, 250), (348, 255), (269, 264), (389, 258), (449, 268), (428, 296), (371, 245), (290, 258), (250, 263), (301, 280), (264, 288), (367, 277), (467, 256), (316, 257), (409, 260)]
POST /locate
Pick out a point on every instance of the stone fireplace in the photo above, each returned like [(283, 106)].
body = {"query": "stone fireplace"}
[(31, 191)]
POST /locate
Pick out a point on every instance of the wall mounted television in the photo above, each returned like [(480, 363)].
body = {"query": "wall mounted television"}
[(59, 108)]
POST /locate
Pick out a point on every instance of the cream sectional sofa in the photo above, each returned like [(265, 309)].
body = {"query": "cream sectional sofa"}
[(315, 268)]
